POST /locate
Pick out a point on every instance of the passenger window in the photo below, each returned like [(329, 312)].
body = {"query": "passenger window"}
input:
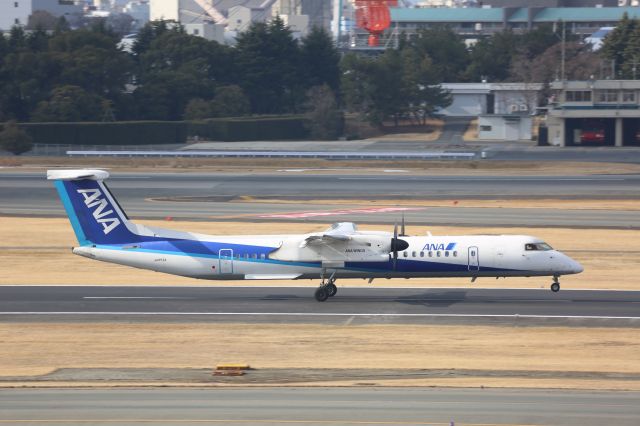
[(254, 256), (446, 254), (413, 254), (430, 254), (405, 254), (438, 253), (421, 254), (455, 254), (262, 256)]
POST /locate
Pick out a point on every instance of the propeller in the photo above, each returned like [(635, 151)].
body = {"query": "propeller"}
[(397, 244), (402, 230)]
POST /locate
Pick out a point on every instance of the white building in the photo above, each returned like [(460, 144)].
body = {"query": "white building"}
[(504, 110), (14, 12)]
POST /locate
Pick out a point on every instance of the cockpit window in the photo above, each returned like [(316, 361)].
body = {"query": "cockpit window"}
[(537, 247)]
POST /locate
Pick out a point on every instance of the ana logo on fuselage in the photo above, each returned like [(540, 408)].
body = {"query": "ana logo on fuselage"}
[(439, 246), (93, 198)]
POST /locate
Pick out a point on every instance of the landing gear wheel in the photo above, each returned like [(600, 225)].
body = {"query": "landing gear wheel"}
[(331, 289), (555, 287), (321, 294)]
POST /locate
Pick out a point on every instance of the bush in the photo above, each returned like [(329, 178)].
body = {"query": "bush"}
[(249, 129), (14, 139), (113, 133)]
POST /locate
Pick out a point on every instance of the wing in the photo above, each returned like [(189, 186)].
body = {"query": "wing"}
[(339, 232)]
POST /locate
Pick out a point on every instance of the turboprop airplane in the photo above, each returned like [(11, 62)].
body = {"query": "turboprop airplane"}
[(105, 233)]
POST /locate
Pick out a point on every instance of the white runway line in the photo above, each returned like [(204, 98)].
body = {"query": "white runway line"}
[(322, 314), (138, 297)]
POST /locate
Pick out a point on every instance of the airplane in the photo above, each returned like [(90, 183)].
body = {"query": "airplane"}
[(105, 233)]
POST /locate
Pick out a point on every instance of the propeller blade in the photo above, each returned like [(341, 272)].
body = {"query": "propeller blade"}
[(402, 230), (394, 246)]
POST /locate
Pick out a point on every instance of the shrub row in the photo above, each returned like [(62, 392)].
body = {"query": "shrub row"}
[(116, 133), (168, 132), (250, 129)]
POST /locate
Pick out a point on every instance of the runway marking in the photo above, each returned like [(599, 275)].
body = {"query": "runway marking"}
[(320, 314), (253, 421), (136, 297), (297, 215)]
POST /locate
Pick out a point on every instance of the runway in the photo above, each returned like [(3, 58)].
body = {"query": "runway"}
[(297, 305), (219, 196), (319, 406)]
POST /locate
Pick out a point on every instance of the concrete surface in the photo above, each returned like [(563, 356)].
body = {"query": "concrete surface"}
[(319, 406), (297, 305)]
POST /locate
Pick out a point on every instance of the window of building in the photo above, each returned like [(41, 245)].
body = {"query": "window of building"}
[(16, 21), (608, 96), (629, 96), (15, 4), (196, 31), (485, 128), (578, 96)]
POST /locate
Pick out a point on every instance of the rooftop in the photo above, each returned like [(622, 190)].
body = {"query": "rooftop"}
[(548, 14)]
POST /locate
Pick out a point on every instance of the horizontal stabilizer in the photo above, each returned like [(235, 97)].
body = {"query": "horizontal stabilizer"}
[(77, 174)]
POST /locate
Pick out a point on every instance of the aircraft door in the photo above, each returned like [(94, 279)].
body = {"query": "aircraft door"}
[(474, 259), (226, 261)]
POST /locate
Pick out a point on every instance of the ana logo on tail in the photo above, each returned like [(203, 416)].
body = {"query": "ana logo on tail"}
[(93, 198)]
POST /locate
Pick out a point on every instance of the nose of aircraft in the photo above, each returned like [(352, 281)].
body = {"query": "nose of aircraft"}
[(573, 266)]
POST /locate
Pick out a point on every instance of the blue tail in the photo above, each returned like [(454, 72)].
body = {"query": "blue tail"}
[(94, 213)]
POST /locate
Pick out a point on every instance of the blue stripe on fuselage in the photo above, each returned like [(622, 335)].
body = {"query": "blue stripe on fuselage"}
[(211, 249)]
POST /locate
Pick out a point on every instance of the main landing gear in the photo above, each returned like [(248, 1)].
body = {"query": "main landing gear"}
[(327, 289), (555, 287)]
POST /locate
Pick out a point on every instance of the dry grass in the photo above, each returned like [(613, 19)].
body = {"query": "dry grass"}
[(273, 165), (471, 134), (606, 267), (34, 348), (464, 203)]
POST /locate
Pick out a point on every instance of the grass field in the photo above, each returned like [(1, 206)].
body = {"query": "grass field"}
[(37, 348)]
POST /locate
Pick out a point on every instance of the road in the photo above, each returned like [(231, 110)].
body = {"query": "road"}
[(318, 406), (296, 305), (219, 196)]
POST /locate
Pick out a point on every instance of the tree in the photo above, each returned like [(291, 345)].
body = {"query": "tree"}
[(268, 67), (617, 41), (320, 60), (15, 140), (325, 119), (197, 109), (230, 101), (491, 57), (70, 104), (447, 50)]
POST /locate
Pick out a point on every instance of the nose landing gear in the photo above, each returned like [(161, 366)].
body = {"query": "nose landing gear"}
[(555, 287), (327, 289)]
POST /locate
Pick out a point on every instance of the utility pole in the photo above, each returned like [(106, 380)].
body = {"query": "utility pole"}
[(564, 53)]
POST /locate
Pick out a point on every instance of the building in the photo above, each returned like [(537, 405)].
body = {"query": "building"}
[(59, 7), (473, 23), (15, 12), (595, 112), (549, 3), (504, 110), (474, 99)]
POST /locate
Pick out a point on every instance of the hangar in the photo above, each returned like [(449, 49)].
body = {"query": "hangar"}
[(594, 113)]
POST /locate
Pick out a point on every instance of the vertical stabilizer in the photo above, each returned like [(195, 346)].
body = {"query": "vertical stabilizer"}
[(94, 213)]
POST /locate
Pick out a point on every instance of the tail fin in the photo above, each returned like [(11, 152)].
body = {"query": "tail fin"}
[(95, 215)]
